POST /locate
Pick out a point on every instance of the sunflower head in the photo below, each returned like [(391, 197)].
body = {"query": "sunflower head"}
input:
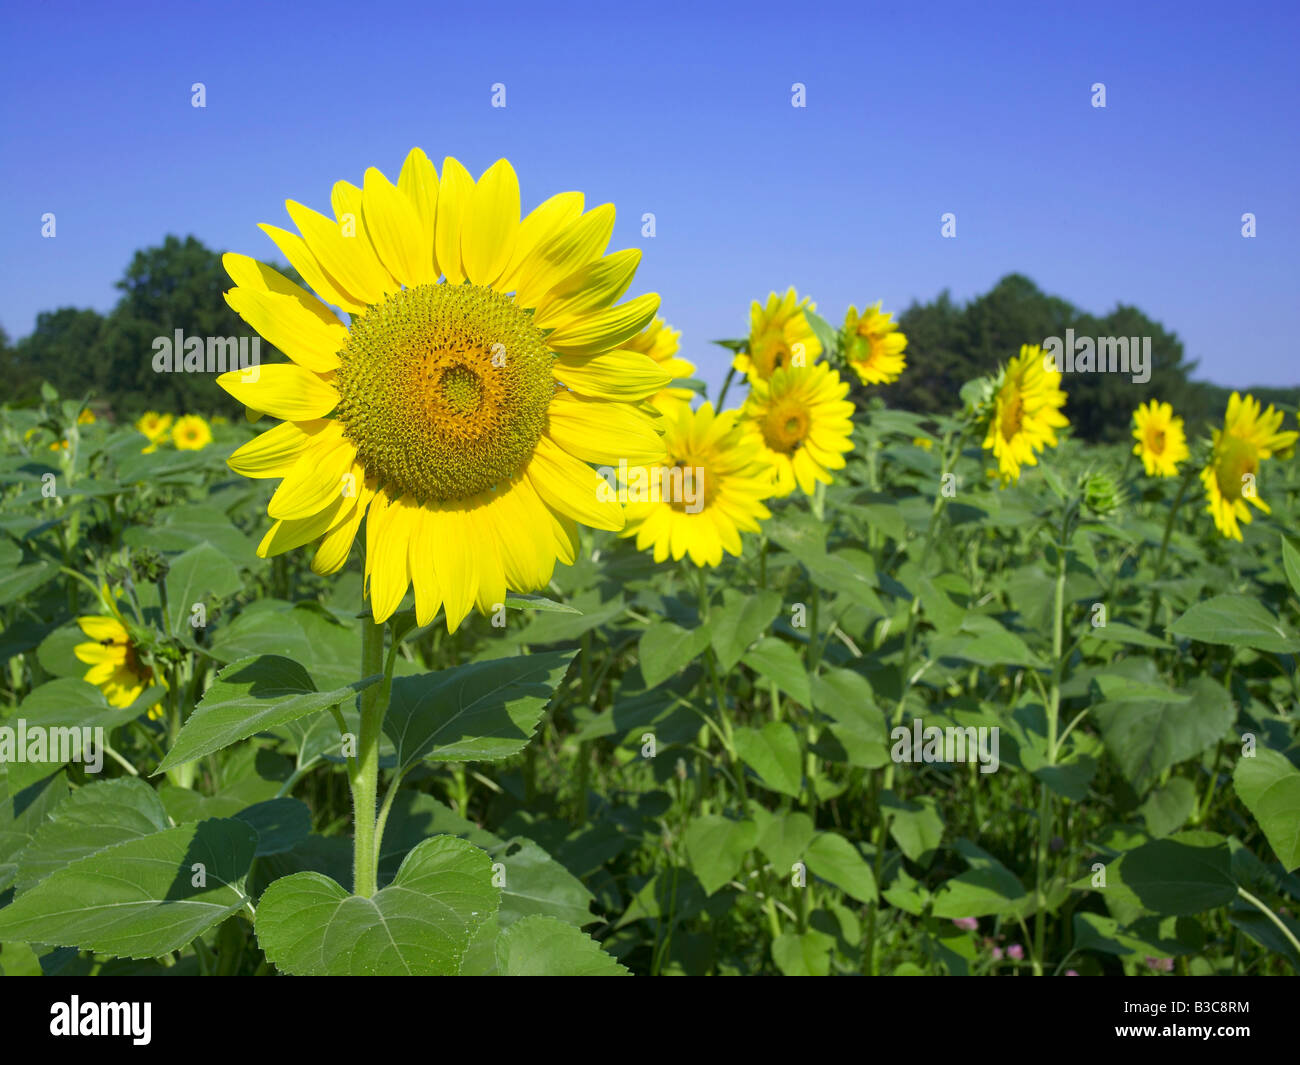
[(710, 489), (116, 660), (154, 426), (486, 362), (1101, 493), (873, 345), (801, 423), (1248, 437), (1024, 413), (1161, 441), (780, 335), (190, 433), (86, 417)]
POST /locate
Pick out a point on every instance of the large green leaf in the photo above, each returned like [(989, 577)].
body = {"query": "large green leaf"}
[(1269, 785), (666, 649), (1184, 874), (775, 660), (420, 925), (140, 898), (739, 623), (474, 713), (22, 813), (832, 857), (92, 818), (773, 753), (16, 583), (717, 846), (858, 724), (545, 946), (247, 697), (987, 887), (199, 576), (1238, 621)]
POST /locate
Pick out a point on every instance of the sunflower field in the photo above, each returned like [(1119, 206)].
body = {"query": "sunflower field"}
[(489, 643)]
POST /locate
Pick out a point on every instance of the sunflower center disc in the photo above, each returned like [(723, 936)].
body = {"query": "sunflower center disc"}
[(444, 390), (784, 429)]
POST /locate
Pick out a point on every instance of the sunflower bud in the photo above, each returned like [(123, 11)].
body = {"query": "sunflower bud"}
[(1101, 492)]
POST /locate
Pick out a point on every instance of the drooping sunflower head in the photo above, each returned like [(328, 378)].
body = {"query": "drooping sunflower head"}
[(116, 665), (485, 363), (190, 433), (1161, 441), (710, 490), (1025, 412), (873, 345), (1247, 438), (661, 343), (802, 425), (779, 335), (154, 426)]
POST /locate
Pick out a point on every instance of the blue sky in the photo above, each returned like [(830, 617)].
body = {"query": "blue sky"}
[(685, 111)]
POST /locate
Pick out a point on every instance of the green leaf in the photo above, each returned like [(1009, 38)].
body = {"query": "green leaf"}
[(666, 649), (1237, 621), (808, 954), (739, 623), (1147, 737), (915, 825), (92, 818), (521, 601), (22, 812), (786, 838), (478, 712), (545, 946), (858, 725), (1185, 874), (281, 824), (1118, 632), (833, 858), (200, 575), (420, 925), (717, 847), (1291, 562), (1269, 785), (987, 887), (22, 581), (1167, 809), (138, 899), (247, 697), (986, 642), (775, 660), (772, 753)]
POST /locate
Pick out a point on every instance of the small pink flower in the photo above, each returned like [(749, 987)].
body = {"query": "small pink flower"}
[(997, 953), (968, 923), (1015, 952), (1160, 965), (1070, 972)]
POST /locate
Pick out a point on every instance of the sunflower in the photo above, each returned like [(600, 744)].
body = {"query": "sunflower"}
[(801, 423), (155, 427), (1161, 442), (116, 668), (481, 371), (60, 445), (661, 343), (86, 417), (191, 433), (873, 346), (1246, 439), (710, 492), (923, 442), (779, 335), (1026, 411)]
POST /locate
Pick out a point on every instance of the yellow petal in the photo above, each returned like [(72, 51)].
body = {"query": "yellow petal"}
[(336, 544), (320, 476), (283, 390), (396, 231), (285, 323), (100, 628), (424, 578), (625, 375), (273, 453), (351, 266), (286, 535), (596, 430), (419, 183), (587, 289), (555, 258), (454, 563), (300, 257), (491, 227), (390, 571), (571, 487), (602, 330), (543, 222), (455, 191)]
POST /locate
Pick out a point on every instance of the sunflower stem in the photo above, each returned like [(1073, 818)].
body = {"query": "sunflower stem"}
[(1164, 543), (726, 384), (363, 774)]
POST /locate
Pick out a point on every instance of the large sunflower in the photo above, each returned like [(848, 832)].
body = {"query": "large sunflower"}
[(661, 343), (779, 335), (1026, 412), (1161, 441), (711, 490), (873, 345), (480, 373), (1247, 438), (801, 424), (116, 667)]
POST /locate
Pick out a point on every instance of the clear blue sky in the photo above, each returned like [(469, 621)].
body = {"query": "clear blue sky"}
[(684, 110)]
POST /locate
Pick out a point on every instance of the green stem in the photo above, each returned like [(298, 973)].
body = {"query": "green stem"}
[(1271, 916), (726, 384), (364, 773), (1164, 542)]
